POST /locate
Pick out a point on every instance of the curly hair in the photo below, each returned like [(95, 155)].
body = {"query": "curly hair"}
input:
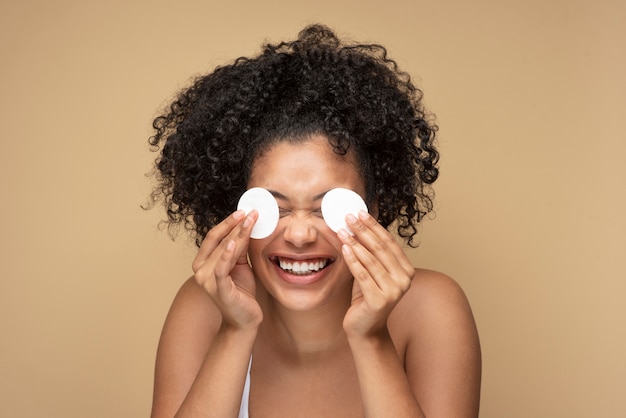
[(352, 94)]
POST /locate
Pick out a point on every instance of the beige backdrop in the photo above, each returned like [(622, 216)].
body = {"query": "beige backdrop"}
[(530, 97)]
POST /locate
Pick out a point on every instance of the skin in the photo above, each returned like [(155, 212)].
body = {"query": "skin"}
[(368, 335)]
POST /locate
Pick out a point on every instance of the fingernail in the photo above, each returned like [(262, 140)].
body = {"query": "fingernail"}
[(239, 214), (343, 234), (351, 218), (363, 214), (246, 222)]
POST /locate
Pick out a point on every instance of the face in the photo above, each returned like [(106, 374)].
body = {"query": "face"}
[(300, 264)]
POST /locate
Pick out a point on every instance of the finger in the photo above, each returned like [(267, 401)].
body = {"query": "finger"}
[(361, 275), (373, 296), (240, 237), (215, 236), (372, 250), (243, 236), (223, 282), (379, 289), (238, 232), (382, 266), (378, 240), (365, 265), (224, 256)]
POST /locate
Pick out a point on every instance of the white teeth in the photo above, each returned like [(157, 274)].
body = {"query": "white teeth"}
[(302, 267)]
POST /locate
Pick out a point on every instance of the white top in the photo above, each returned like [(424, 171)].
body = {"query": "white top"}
[(243, 409)]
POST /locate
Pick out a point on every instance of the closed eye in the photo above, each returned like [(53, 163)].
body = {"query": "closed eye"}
[(286, 212)]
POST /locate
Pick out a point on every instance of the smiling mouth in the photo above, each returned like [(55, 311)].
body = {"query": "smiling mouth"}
[(302, 267)]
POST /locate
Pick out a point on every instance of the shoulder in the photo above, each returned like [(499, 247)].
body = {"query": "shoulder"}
[(433, 296), (435, 333), (434, 309)]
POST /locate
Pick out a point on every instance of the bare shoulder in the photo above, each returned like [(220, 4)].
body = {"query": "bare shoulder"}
[(434, 331), (432, 298), (191, 324)]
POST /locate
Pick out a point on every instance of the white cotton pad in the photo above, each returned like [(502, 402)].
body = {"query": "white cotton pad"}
[(338, 203), (260, 199)]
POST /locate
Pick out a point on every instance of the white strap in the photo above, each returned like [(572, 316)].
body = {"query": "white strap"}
[(243, 410)]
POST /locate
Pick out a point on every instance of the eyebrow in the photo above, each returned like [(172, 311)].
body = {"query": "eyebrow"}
[(281, 196)]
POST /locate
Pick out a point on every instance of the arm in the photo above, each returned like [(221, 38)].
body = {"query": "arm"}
[(382, 275), (434, 323), (438, 372), (384, 386), (210, 330)]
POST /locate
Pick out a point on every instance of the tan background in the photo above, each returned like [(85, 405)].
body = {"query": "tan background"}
[(531, 100)]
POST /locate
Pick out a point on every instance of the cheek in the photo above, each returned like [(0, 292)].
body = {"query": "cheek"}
[(325, 236), (255, 250), (373, 208), (331, 237)]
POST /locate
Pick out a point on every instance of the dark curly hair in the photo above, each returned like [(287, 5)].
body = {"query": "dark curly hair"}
[(353, 94)]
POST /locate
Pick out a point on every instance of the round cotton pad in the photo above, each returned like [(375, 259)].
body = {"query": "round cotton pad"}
[(338, 203), (260, 199)]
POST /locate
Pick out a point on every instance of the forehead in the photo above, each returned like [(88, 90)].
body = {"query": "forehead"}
[(309, 165)]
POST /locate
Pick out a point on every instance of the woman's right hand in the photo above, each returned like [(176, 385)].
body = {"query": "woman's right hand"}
[(221, 268)]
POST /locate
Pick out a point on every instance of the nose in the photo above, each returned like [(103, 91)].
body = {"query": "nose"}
[(300, 231)]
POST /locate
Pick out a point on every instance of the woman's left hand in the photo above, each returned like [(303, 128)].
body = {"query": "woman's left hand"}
[(382, 275)]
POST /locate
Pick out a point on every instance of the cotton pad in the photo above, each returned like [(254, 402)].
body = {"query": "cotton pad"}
[(260, 199), (338, 203)]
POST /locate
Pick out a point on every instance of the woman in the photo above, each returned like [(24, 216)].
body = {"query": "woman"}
[(354, 330)]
